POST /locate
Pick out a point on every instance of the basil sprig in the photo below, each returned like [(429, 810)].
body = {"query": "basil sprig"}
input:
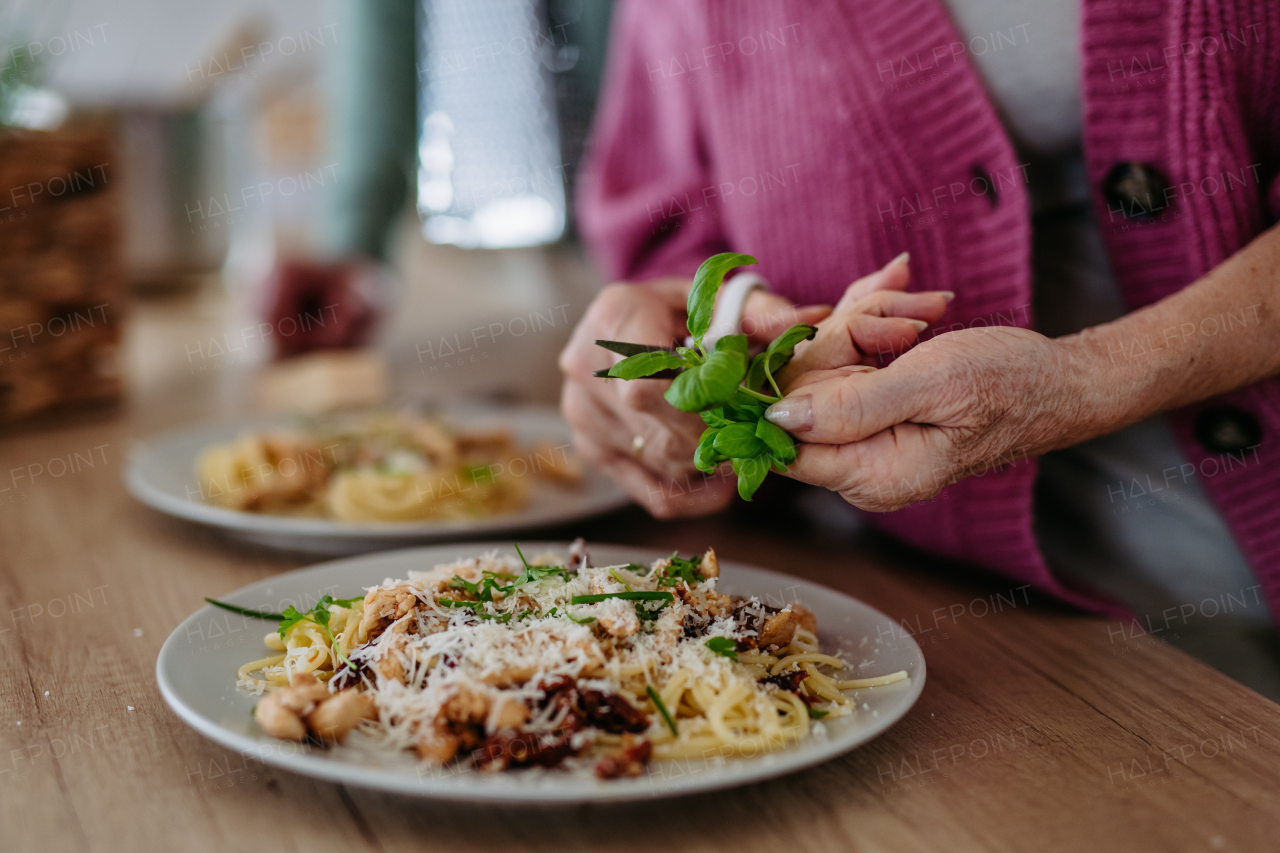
[(728, 387)]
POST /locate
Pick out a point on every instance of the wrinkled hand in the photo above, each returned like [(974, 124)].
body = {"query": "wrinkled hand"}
[(956, 405), (872, 318), (607, 416)]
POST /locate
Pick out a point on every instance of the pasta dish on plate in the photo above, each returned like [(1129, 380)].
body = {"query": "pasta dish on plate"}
[(499, 663), (382, 467)]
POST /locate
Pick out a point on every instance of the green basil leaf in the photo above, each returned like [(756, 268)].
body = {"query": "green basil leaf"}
[(755, 374), (782, 347), (751, 473), (706, 282), (711, 384), (713, 418), (817, 714), (645, 364), (690, 355), (742, 409), (736, 343), (781, 445), (738, 440), (706, 458), (723, 646)]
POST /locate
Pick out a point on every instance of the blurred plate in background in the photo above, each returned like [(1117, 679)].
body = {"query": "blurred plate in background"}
[(161, 474)]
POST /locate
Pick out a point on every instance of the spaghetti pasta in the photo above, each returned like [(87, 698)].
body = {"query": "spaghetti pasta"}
[(504, 663), (377, 468)]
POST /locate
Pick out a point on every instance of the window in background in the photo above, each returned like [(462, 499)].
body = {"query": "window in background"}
[(490, 172)]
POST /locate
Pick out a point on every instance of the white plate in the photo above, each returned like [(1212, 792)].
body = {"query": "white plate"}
[(161, 474), (197, 675)]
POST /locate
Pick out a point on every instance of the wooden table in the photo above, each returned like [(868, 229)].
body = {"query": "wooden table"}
[(1039, 728)]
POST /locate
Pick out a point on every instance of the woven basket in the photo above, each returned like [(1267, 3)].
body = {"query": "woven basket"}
[(61, 280)]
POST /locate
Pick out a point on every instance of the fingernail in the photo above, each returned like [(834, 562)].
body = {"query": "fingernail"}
[(901, 259), (860, 368), (920, 325), (792, 414), (947, 295)]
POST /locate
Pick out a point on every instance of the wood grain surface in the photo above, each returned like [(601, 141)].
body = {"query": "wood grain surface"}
[(1040, 729)]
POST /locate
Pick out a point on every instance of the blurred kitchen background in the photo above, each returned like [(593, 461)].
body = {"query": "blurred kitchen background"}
[(327, 201)]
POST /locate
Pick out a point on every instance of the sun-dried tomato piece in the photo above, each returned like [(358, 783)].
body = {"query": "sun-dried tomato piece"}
[(611, 712)]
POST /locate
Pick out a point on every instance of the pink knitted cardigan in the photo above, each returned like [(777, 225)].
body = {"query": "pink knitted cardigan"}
[(827, 136)]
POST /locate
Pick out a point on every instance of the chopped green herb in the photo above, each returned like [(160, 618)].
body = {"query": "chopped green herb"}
[(619, 579), (586, 620), (477, 608), (681, 569), (488, 584), (635, 595), (244, 611), (817, 714), (536, 573), (478, 473), (647, 615), (662, 709), (724, 646), (459, 582), (319, 615)]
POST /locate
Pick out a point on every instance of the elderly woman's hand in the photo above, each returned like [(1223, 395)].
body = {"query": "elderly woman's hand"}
[(627, 429), (956, 405), (644, 444), (873, 317)]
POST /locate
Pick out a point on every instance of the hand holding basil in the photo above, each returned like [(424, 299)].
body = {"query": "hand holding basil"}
[(728, 387)]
